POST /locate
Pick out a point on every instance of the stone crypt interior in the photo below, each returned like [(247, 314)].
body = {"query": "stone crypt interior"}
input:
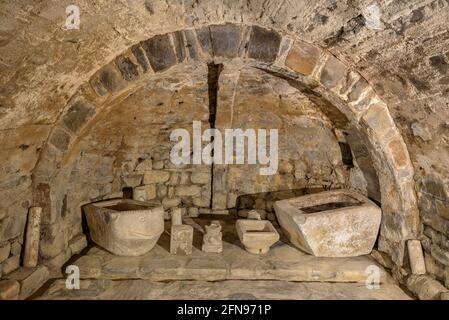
[(358, 91)]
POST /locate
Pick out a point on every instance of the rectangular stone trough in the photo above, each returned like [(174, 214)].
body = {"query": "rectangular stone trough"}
[(338, 223)]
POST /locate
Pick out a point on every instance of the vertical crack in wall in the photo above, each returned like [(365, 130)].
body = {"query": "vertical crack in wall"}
[(213, 76)]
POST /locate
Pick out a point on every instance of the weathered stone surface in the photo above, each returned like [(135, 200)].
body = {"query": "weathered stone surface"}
[(77, 244), (330, 224), (303, 58), (171, 202), (358, 89), (245, 213), (200, 177), (179, 44), (189, 191), (256, 235), (53, 241), (204, 39), (4, 251), (32, 238), (435, 187), (223, 290), (127, 68), (191, 43), (78, 115), (160, 52), (181, 239), (107, 80), (133, 180), (382, 258), (12, 226), (399, 152), (201, 202), (145, 165), (60, 139), (57, 262), (225, 40), (193, 212), (155, 176), (212, 239), (16, 248), (333, 71), (263, 44), (30, 279), (145, 193), (439, 254), (378, 118), (139, 54), (425, 287), (9, 289), (416, 257), (125, 227), (90, 266)]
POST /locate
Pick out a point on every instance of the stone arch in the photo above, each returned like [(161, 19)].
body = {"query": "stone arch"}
[(312, 69)]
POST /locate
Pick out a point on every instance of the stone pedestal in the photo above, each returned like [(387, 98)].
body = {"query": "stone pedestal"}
[(181, 239), (31, 255), (176, 216), (212, 240), (416, 257)]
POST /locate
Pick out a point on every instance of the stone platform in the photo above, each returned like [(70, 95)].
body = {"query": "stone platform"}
[(223, 290), (282, 262)]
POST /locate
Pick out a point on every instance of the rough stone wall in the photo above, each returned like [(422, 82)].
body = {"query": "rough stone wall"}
[(402, 52), (309, 155), (130, 145)]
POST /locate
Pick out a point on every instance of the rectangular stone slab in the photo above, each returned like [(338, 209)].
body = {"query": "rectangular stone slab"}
[(233, 289)]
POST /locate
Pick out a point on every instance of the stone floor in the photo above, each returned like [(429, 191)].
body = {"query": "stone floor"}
[(283, 273)]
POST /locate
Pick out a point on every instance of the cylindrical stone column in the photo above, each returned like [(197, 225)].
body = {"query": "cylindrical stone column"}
[(416, 257), (176, 216), (31, 255)]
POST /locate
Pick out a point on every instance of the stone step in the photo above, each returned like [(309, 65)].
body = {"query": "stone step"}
[(232, 289)]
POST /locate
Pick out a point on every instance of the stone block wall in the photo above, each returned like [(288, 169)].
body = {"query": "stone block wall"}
[(188, 187), (434, 209)]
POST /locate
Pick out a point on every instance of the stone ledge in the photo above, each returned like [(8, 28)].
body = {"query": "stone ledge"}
[(231, 289), (426, 288), (30, 279)]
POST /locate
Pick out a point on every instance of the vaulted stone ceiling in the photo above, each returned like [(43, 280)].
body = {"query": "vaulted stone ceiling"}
[(399, 47), (405, 59)]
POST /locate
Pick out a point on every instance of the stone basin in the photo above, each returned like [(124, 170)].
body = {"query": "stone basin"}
[(125, 227), (338, 223), (256, 235)]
